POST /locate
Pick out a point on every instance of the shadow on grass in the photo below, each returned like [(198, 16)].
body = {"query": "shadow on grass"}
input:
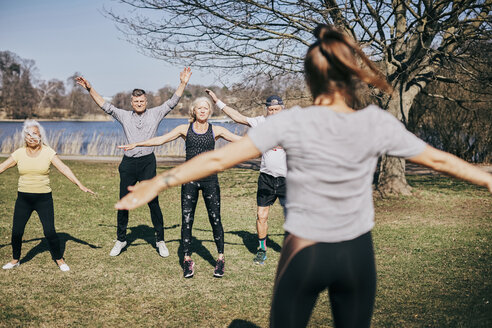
[(43, 245), (250, 240), (141, 232), (199, 249), (238, 323)]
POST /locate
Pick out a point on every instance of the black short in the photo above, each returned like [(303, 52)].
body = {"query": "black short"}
[(269, 189)]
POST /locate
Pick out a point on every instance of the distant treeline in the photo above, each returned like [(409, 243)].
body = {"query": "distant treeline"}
[(462, 128)]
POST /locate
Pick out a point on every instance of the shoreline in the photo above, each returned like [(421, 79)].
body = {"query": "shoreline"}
[(106, 118), (254, 164)]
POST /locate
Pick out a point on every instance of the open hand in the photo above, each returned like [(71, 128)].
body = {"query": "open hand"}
[(140, 194), (83, 82), (212, 95), (127, 147), (185, 75), (85, 189)]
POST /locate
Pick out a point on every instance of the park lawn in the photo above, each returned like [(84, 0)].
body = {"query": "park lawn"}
[(433, 256)]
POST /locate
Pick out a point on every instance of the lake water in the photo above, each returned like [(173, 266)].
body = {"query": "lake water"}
[(95, 138)]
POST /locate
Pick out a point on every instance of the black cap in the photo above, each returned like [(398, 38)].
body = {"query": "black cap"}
[(274, 100)]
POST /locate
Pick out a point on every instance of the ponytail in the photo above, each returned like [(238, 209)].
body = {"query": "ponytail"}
[(333, 64)]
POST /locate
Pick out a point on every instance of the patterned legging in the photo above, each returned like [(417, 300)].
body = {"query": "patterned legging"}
[(189, 197)]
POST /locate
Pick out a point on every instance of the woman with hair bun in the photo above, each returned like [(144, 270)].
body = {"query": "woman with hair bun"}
[(332, 152), (34, 191), (199, 136)]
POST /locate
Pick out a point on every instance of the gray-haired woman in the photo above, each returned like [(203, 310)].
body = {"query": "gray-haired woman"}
[(34, 192)]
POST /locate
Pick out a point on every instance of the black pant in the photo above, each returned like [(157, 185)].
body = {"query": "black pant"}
[(25, 204), (189, 197), (346, 268), (132, 170)]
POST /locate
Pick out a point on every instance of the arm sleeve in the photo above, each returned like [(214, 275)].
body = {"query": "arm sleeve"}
[(253, 121), (51, 153), (397, 140), (166, 107), (15, 155), (117, 113), (268, 134)]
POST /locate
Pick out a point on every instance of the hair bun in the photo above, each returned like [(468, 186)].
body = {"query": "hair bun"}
[(324, 32)]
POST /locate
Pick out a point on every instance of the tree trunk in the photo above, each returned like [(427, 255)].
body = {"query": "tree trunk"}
[(391, 178)]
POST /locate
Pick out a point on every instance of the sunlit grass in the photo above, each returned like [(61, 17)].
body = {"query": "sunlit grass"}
[(433, 254)]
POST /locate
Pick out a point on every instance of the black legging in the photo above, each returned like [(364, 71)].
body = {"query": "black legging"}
[(346, 268), (189, 197), (25, 204)]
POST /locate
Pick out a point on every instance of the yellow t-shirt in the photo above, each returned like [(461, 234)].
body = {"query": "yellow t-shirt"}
[(34, 171)]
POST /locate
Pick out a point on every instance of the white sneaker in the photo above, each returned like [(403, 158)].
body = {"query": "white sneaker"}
[(9, 265), (161, 246), (118, 246), (64, 267)]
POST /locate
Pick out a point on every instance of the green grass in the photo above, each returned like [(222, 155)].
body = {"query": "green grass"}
[(433, 255)]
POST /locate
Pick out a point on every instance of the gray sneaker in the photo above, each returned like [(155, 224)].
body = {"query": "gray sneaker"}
[(117, 248), (161, 246)]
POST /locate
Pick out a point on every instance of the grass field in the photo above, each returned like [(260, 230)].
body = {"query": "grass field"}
[(433, 256)]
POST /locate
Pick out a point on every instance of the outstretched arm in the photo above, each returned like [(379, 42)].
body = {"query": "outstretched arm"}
[(221, 132), (65, 170), (229, 111), (200, 166), (86, 85), (449, 164), (184, 78), (7, 164), (179, 131)]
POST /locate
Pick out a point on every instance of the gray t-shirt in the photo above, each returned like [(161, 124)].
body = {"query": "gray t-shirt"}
[(273, 161), (140, 127), (331, 159)]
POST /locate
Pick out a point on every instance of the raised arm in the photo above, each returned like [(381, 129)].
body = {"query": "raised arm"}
[(65, 170), (86, 85), (179, 131), (184, 78), (229, 111), (7, 164), (221, 132), (198, 167), (449, 164)]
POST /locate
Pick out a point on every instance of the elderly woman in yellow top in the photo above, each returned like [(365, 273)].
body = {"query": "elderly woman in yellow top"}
[(34, 192)]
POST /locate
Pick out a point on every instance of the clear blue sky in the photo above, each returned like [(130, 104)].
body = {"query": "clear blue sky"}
[(68, 36)]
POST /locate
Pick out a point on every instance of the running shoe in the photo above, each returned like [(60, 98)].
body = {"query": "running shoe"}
[(260, 256), (117, 248), (9, 265), (64, 267), (161, 246), (188, 268), (219, 268)]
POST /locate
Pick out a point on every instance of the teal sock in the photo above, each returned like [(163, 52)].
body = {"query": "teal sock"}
[(262, 243)]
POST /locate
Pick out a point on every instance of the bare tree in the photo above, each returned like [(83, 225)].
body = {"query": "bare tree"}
[(463, 125), (51, 94), (17, 94), (79, 101), (411, 40)]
